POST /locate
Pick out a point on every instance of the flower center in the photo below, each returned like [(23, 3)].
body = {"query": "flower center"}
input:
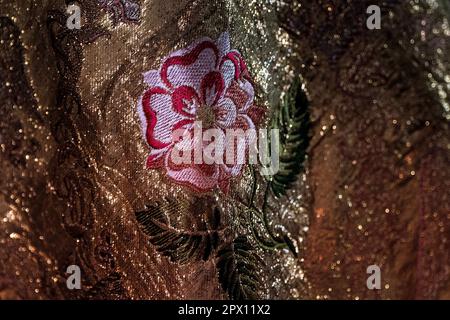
[(206, 115)]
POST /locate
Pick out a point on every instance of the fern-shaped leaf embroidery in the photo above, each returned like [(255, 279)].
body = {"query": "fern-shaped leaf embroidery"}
[(293, 121), (178, 246), (237, 263)]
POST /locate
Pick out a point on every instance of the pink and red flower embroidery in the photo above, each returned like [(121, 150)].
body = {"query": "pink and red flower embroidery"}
[(206, 82)]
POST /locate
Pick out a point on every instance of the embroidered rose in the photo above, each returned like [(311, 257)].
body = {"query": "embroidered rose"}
[(207, 82)]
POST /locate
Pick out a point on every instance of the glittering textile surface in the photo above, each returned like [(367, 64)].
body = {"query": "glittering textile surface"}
[(375, 187)]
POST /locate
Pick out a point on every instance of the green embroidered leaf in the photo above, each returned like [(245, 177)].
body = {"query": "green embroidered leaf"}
[(237, 264), (293, 121), (179, 246)]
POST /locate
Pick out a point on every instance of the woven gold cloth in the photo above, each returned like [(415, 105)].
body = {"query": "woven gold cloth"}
[(375, 189)]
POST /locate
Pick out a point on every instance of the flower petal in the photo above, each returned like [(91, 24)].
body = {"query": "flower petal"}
[(233, 170), (247, 87), (160, 117), (188, 67), (228, 71), (201, 178), (244, 122), (242, 94), (212, 88), (156, 159), (223, 44), (240, 68), (153, 79), (185, 101)]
